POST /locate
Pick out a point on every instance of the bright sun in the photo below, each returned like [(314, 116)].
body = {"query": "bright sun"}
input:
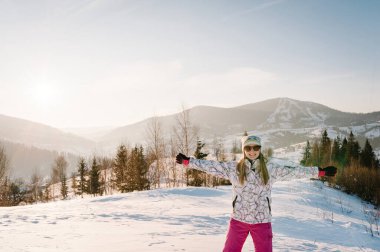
[(44, 94)]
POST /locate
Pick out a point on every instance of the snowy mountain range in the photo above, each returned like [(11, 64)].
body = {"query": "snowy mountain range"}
[(307, 216), (281, 122)]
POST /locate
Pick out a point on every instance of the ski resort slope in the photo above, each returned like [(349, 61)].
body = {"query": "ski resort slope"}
[(307, 216)]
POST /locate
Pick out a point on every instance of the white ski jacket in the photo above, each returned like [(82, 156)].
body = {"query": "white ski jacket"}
[(252, 200)]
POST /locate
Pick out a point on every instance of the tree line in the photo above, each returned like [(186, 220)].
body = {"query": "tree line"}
[(126, 172), (358, 168), (131, 169)]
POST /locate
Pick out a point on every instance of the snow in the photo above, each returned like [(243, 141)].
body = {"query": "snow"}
[(370, 130), (307, 216), (373, 133), (292, 153)]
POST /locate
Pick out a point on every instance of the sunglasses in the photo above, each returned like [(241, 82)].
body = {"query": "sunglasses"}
[(255, 148)]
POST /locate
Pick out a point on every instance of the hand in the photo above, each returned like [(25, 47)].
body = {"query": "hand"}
[(329, 171), (182, 159)]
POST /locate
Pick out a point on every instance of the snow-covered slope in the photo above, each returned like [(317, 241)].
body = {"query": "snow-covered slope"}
[(307, 216), (42, 136)]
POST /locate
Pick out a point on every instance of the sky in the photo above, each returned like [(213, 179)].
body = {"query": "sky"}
[(112, 62)]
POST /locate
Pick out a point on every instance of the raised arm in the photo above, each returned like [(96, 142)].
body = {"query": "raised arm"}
[(219, 169), (281, 169)]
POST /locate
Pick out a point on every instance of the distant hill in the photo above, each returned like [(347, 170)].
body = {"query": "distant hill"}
[(281, 121), (24, 160), (42, 136)]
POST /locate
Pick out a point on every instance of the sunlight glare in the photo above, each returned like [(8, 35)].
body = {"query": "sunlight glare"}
[(44, 94)]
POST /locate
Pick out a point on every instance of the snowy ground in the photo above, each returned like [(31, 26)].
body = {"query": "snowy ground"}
[(306, 217)]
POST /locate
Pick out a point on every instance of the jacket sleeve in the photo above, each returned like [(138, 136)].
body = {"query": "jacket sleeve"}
[(219, 169), (280, 169)]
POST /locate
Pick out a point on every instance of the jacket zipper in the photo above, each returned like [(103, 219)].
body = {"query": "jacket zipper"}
[(270, 210), (234, 202)]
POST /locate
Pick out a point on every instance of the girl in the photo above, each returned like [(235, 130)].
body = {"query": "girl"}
[(252, 179)]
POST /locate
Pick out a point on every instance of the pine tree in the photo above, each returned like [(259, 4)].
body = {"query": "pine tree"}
[(353, 150), (325, 149), (82, 171), (356, 151), (94, 178), (74, 184), (335, 152), (17, 192), (315, 154), (64, 188), (343, 153), (142, 170), (306, 159), (131, 178), (197, 178), (120, 168), (46, 194), (367, 156)]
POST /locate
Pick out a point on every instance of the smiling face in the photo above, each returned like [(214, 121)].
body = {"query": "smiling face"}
[(252, 151)]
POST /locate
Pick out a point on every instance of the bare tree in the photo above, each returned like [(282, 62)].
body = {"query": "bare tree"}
[(58, 172), (106, 172), (186, 135), (156, 147), (3, 165), (173, 172), (35, 187), (4, 183), (235, 149), (219, 149)]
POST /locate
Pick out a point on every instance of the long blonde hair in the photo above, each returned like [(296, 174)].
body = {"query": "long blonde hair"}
[(242, 171)]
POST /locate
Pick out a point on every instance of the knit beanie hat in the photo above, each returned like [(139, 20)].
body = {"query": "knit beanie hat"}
[(250, 140)]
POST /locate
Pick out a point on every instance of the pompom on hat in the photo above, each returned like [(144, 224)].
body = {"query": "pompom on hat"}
[(250, 140)]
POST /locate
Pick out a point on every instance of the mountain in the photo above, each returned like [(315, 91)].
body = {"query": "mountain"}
[(92, 133), (32, 147), (281, 122), (307, 216), (25, 161), (42, 136)]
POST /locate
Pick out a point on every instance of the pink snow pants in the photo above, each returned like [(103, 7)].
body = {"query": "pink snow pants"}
[(238, 231)]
